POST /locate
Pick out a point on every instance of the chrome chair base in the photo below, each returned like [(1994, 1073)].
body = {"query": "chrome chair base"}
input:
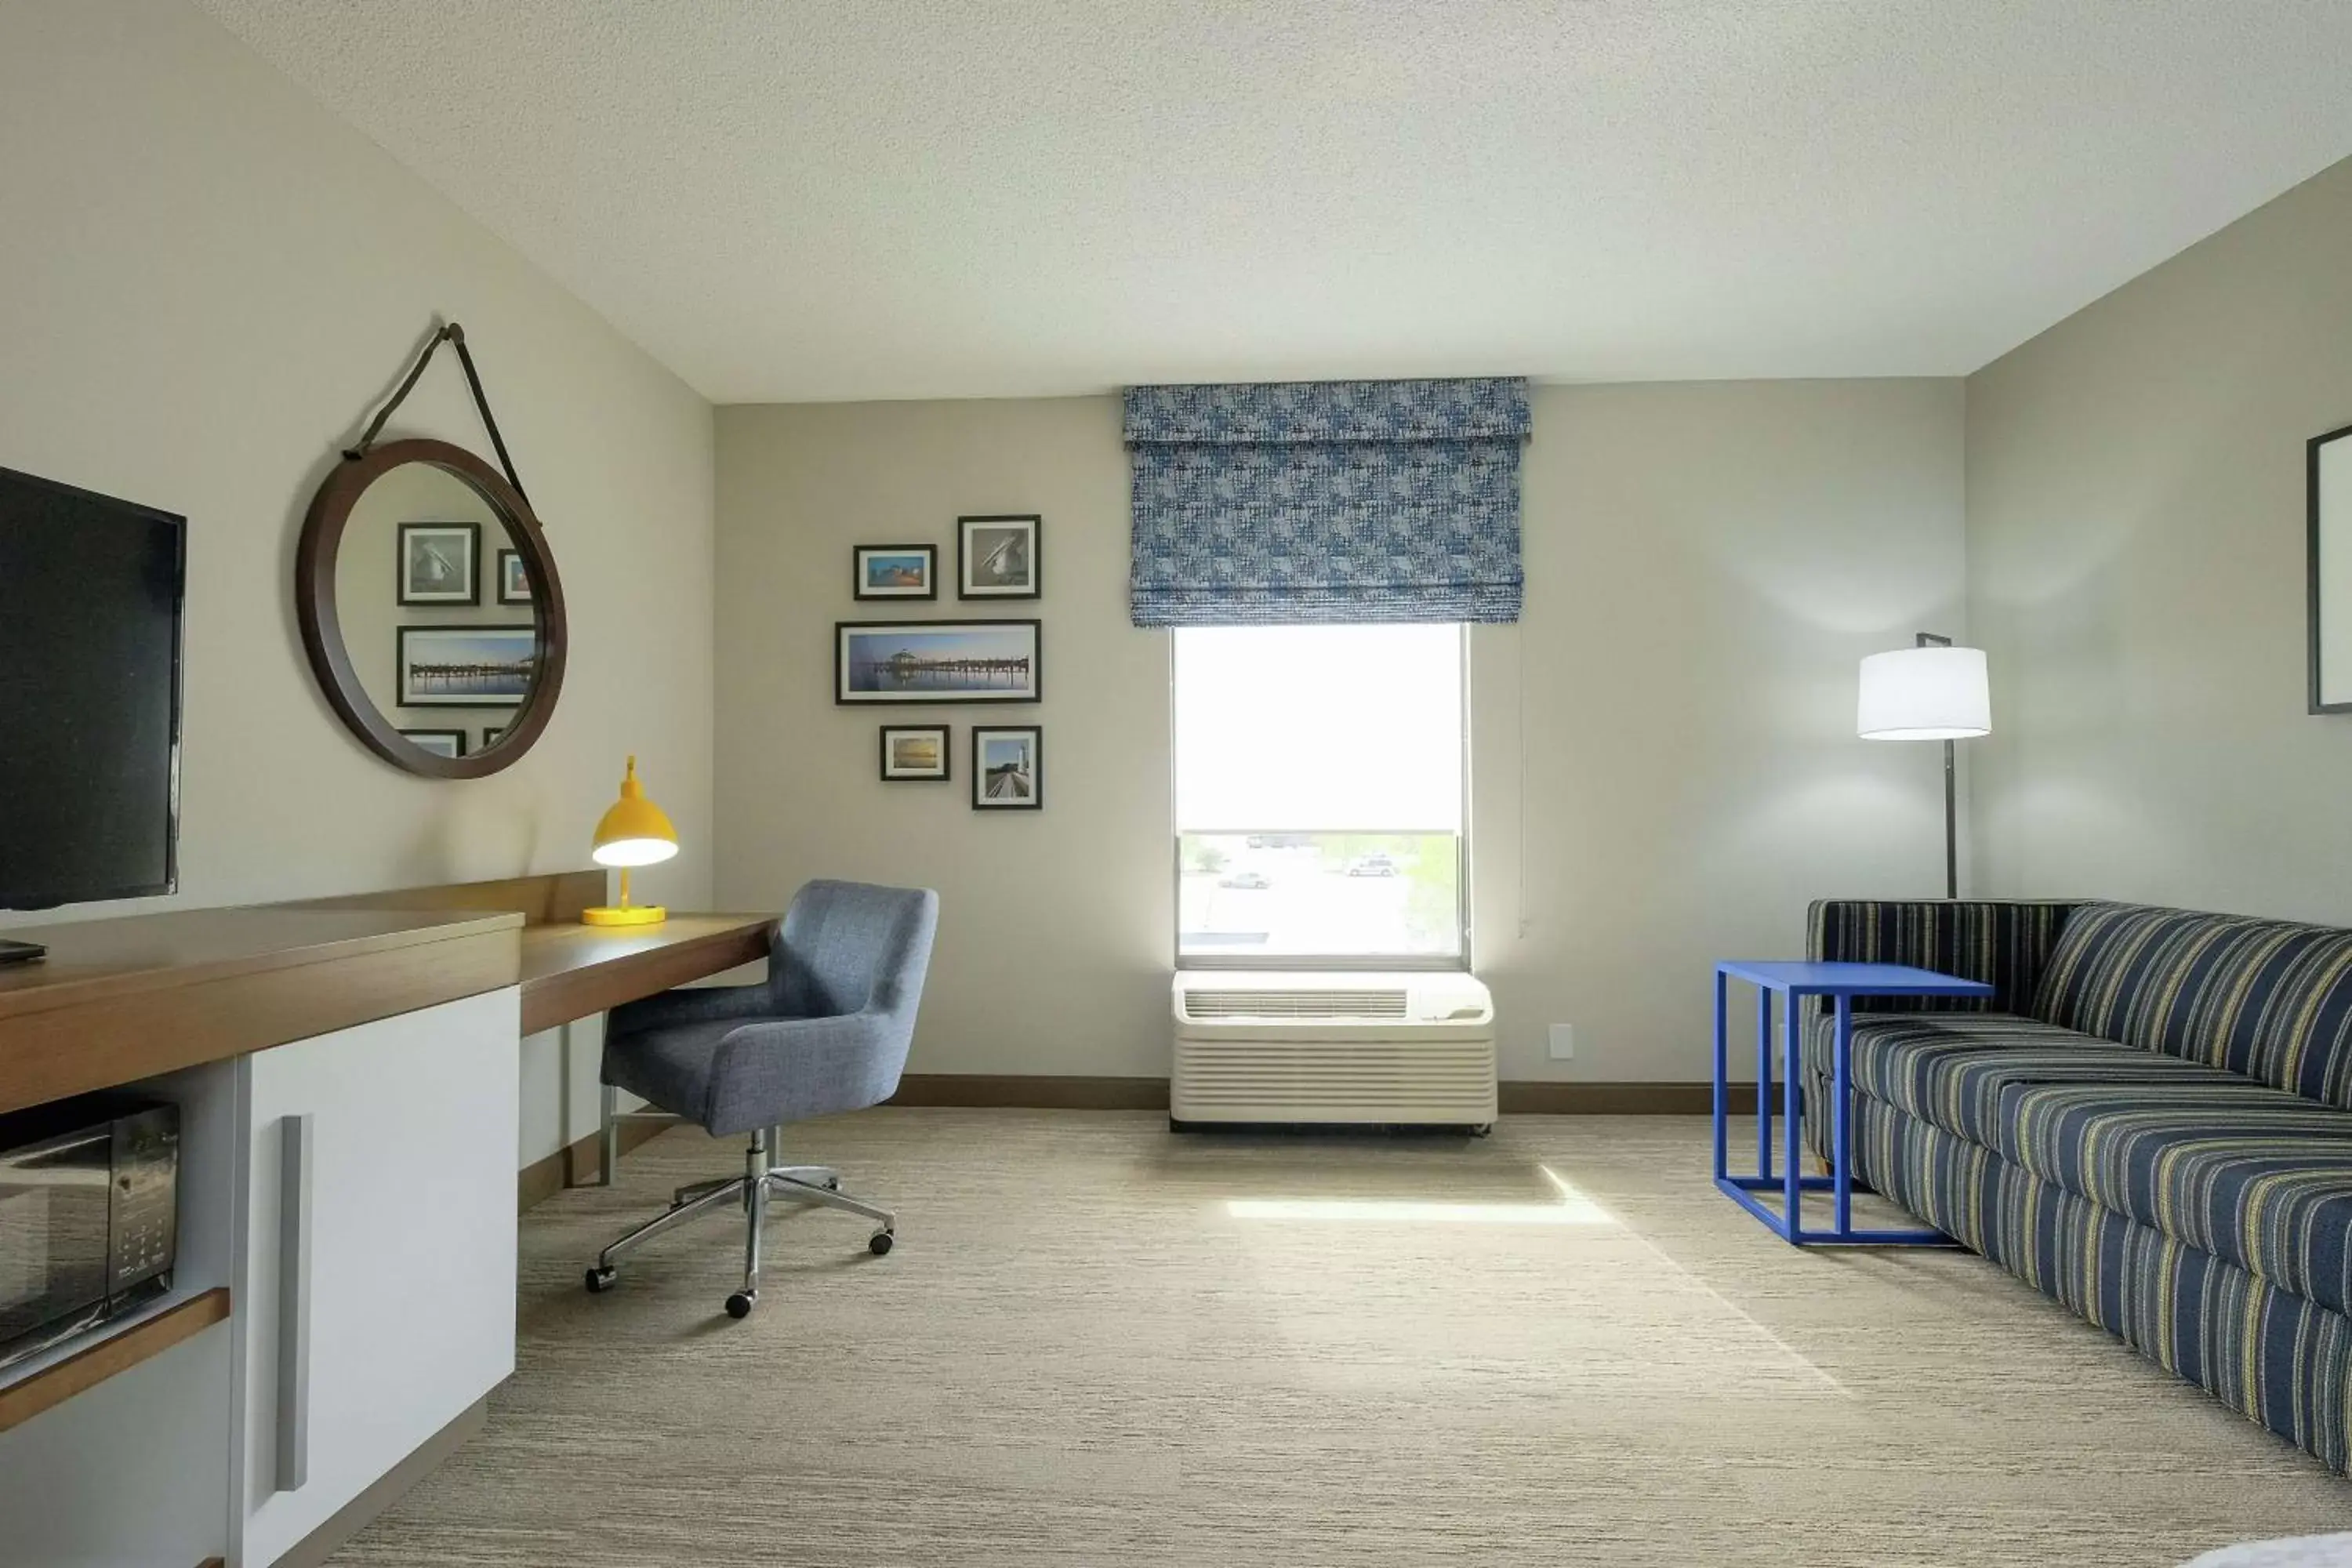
[(815, 1187)]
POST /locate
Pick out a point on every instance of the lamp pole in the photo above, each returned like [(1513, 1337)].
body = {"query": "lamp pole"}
[(1951, 797)]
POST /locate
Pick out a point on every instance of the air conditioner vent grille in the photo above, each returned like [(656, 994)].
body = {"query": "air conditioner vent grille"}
[(1204, 1006)]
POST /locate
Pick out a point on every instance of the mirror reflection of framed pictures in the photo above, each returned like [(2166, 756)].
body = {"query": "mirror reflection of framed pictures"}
[(440, 742), (439, 563), (915, 752), (465, 667), (895, 572), (996, 558), (1006, 772), (514, 578), (491, 733), (2328, 475)]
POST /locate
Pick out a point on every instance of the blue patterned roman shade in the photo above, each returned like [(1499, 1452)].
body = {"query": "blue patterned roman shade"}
[(1316, 502)]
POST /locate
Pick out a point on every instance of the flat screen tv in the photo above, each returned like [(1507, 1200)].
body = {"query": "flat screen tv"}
[(90, 592)]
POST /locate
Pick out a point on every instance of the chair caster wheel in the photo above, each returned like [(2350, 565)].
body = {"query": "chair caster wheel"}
[(599, 1280), (739, 1305), (878, 1243)]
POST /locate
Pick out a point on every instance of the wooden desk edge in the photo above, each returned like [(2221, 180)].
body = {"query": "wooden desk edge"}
[(118, 1035), (559, 997), (79, 990)]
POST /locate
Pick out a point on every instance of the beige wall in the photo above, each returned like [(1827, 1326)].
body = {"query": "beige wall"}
[(206, 281), (1665, 770), (1056, 925), (2135, 562), (1672, 722)]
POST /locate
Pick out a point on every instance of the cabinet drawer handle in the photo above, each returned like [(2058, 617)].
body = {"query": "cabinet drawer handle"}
[(298, 1153)]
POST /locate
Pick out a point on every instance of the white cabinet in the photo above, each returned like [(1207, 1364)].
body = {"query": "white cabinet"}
[(375, 1290), (131, 1474)]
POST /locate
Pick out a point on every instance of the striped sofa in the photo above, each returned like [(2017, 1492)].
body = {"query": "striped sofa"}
[(2151, 1121)]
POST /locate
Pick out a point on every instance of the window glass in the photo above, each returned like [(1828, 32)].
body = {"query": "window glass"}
[(1318, 792)]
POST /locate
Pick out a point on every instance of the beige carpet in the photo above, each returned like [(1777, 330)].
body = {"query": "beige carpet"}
[(1099, 1343)]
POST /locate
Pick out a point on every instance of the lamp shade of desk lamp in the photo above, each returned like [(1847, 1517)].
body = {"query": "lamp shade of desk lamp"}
[(1931, 692), (633, 832)]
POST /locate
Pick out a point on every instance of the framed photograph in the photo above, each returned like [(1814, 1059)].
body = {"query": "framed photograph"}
[(440, 742), (915, 751), (996, 558), (2329, 479), (1004, 768), (514, 578), (491, 733), (439, 563), (935, 661), (465, 667), (895, 571)]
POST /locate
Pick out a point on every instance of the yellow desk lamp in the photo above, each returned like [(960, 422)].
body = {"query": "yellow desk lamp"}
[(633, 832)]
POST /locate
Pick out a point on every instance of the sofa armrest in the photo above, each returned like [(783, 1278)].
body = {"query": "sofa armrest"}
[(2004, 942)]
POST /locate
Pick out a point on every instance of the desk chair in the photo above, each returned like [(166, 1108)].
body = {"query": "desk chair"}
[(826, 1032)]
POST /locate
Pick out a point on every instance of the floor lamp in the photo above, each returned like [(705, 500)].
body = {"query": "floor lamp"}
[(1930, 692)]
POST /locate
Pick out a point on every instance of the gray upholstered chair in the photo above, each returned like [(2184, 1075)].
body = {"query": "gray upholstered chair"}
[(826, 1031)]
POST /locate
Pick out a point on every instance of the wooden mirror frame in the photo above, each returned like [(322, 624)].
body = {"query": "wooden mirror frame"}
[(323, 632)]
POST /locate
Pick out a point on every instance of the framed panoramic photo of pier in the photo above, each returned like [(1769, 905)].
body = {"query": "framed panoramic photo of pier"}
[(467, 667), (935, 661)]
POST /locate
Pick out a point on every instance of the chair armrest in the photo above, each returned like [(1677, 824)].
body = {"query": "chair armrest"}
[(791, 1068), (694, 1005), (2004, 942)]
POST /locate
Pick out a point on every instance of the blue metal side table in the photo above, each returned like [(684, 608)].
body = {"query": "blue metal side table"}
[(1792, 984)]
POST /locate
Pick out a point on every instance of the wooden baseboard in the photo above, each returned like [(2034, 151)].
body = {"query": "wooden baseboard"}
[(1544, 1098), (583, 1161), (314, 1549), (1032, 1092), (1044, 1091)]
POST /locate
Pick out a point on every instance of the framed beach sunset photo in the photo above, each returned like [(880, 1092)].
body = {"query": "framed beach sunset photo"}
[(915, 751), (935, 661), (897, 572)]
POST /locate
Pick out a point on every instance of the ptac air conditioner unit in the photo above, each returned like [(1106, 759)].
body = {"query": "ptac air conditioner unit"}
[(1411, 1050)]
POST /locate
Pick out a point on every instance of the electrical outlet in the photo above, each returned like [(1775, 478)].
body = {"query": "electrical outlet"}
[(1562, 1044)]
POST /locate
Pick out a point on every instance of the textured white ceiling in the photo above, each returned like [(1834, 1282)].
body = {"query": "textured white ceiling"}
[(798, 199)]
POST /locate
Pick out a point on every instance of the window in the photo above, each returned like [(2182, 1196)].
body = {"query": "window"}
[(1318, 796)]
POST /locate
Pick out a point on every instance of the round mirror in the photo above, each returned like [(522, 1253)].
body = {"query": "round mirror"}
[(431, 608)]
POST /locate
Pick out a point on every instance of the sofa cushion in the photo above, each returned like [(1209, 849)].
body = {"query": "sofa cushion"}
[(2270, 999), (2250, 1174), (1951, 1068), (2280, 1358)]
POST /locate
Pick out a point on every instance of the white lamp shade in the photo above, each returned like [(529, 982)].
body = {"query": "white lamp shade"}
[(1924, 694)]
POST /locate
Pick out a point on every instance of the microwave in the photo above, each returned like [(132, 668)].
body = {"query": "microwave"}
[(88, 1215)]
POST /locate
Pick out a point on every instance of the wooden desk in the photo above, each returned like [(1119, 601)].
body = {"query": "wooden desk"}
[(124, 999), (362, 1013), (571, 971)]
